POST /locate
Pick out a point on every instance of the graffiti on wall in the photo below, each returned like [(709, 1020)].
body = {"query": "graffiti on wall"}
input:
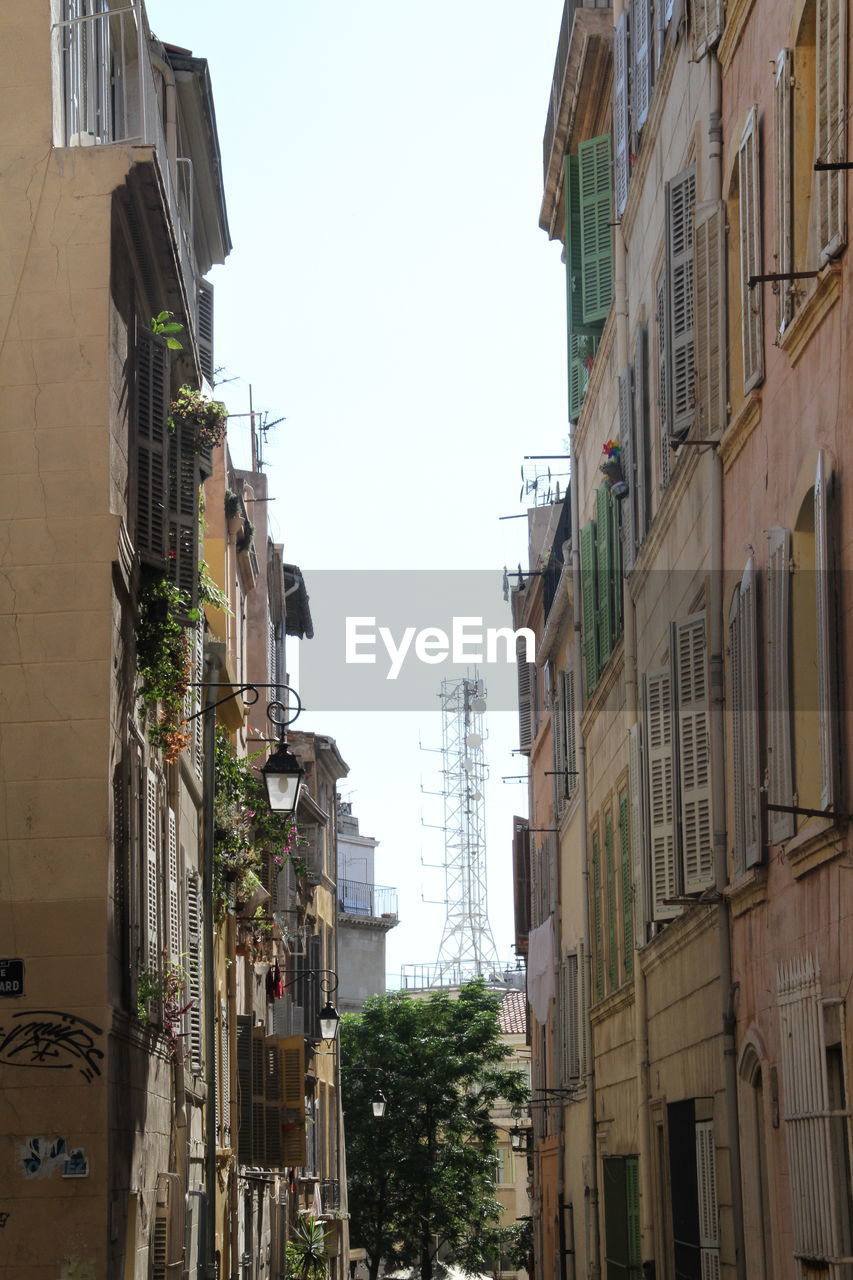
[(48, 1038), (44, 1157)]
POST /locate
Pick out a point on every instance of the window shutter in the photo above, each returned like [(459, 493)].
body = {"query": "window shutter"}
[(184, 481), (780, 782), (736, 697), (706, 19), (596, 207), (574, 255), (658, 737), (663, 352), (627, 893), (680, 199), (273, 1101), (691, 693), (621, 113), (642, 36), (569, 1020), (629, 469), (710, 318), (588, 592), (152, 410), (526, 672), (194, 1014), (750, 253), (152, 876), (204, 330), (225, 1072), (597, 935), (612, 954), (521, 881), (604, 550), (831, 124), (825, 590), (583, 1012), (641, 433), (293, 1149), (754, 847), (637, 829), (195, 694), (259, 1113), (174, 900), (569, 721), (558, 737), (706, 1188), (312, 1008), (784, 183), (244, 1085), (582, 349)]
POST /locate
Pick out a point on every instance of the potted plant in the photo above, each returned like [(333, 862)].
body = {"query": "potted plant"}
[(205, 418), (611, 466)]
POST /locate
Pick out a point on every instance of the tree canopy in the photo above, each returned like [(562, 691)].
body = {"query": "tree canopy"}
[(422, 1178)]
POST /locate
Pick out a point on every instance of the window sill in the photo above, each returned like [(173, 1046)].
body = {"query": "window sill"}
[(740, 428), (810, 315), (820, 840), (748, 892)]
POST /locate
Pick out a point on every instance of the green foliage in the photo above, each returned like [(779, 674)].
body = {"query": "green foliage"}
[(246, 830), (306, 1250), (164, 663), (166, 988), (209, 591), (426, 1170), (207, 418), (167, 326)]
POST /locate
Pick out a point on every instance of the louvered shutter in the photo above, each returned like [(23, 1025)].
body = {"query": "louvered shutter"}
[(259, 1111), (710, 319), (641, 434), (615, 534), (637, 829), (173, 896), (583, 1013), (273, 1102), (825, 592), (642, 37), (604, 552), (663, 362), (312, 1008), (569, 721), (754, 847), (152, 872), (680, 199), (558, 740), (706, 20), (694, 774), (193, 965), (582, 349), (831, 131), (706, 1191), (589, 594), (151, 447), (783, 123), (204, 332), (244, 1086), (750, 254), (184, 480), (629, 469), (195, 695), (780, 783), (658, 738), (610, 871), (225, 1072), (621, 116), (632, 1215), (526, 672), (736, 701), (569, 1020), (597, 913), (596, 232), (293, 1102), (627, 893), (574, 255)]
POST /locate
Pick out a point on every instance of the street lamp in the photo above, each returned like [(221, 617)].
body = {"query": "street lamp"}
[(379, 1102), (518, 1137), (283, 776), (329, 1019)]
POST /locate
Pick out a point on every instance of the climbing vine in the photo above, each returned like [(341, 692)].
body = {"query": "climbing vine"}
[(164, 662)]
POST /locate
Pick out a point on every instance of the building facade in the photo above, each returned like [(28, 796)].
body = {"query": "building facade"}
[(366, 912)]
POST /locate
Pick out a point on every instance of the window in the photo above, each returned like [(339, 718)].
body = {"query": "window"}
[(571, 1011), (621, 113), (680, 201), (635, 443), (642, 60), (622, 1217), (563, 740), (662, 379), (693, 1190), (601, 586), (589, 258)]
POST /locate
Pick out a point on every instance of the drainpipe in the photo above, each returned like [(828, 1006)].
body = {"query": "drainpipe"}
[(718, 775), (593, 1255), (212, 665)]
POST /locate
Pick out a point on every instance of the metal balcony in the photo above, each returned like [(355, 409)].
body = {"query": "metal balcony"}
[(374, 901)]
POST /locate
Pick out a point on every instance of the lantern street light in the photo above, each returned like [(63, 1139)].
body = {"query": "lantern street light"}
[(283, 776), (329, 1020), (379, 1102)]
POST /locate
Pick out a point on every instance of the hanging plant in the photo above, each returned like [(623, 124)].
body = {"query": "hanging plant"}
[(206, 418), (166, 988), (164, 663)]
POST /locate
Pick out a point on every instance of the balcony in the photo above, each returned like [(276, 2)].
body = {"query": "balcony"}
[(370, 901)]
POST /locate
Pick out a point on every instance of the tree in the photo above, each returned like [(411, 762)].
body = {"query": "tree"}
[(422, 1178)]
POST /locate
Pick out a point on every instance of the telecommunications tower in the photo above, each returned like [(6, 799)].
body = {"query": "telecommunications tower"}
[(467, 946)]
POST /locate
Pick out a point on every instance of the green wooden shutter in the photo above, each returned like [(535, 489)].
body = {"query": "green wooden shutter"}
[(605, 598), (627, 895), (596, 209), (574, 256), (597, 939), (582, 349), (612, 956), (588, 592)]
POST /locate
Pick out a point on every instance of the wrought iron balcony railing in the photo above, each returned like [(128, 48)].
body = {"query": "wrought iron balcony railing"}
[(375, 901)]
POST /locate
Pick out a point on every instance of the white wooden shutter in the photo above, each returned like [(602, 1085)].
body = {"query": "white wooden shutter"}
[(750, 254), (629, 470), (694, 774), (583, 1010), (621, 119), (825, 592), (710, 318), (569, 1019), (569, 721), (706, 20), (780, 783), (173, 895), (680, 199), (637, 830), (193, 967), (662, 326), (526, 677), (641, 433), (204, 329), (152, 875), (751, 765), (783, 123), (706, 1189), (642, 36), (831, 130), (658, 737)]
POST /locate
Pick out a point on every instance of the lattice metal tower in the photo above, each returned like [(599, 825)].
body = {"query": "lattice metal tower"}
[(467, 946)]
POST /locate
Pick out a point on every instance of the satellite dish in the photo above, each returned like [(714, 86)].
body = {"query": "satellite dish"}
[(476, 795), (467, 766), (478, 706), (474, 740)]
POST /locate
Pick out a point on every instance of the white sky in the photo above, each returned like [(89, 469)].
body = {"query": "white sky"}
[(391, 295)]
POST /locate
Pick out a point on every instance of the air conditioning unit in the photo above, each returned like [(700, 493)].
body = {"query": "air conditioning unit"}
[(167, 1229)]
